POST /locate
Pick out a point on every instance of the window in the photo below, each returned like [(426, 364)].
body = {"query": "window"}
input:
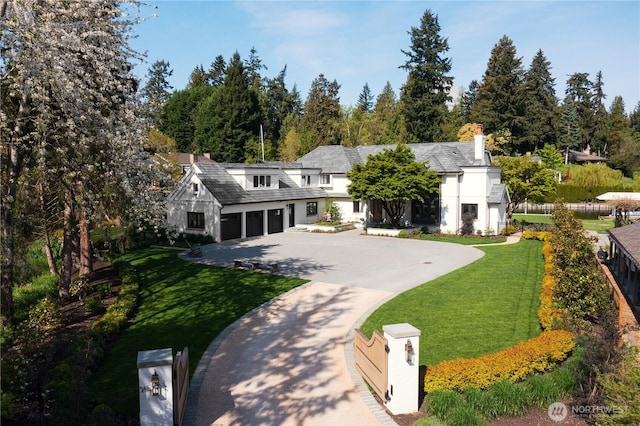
[(194, 186), (306, 180), (195, 220), (312, 208), (356, 206), (471, 209), (261, 181), (325, 179)]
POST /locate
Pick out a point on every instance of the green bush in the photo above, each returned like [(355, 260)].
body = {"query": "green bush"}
[(508, 230), (94, 305), (403, 234), (511, 399)]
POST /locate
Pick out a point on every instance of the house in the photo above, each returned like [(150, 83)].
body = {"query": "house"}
[(228, 201), (624, 262), (583, 157), (469, 184)]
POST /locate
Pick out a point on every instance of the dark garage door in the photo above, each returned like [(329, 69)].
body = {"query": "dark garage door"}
[(275, 220), (255, 223), (231, 226)]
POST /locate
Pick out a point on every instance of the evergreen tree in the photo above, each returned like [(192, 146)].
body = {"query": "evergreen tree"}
[(541, 105), (365, 100), (217, 71), (229, 120), (499, 99), (569, 131), (600, 117), (634, 119), (156, 91), (198, 78), (179, 114), (386, 123), (279, 103), (321, 115), (580, 89), (253, 65), (426, 91), (619, 138), (468, 100)]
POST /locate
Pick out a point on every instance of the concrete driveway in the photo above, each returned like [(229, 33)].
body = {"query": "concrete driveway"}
[(290, 361)]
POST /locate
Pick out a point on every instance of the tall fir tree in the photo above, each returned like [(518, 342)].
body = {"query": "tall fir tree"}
[(321, 115), (541, 105), (468, 100), (386, 123), (198, 78), (499, 100), (581, 91), (156, 91), (365, 100), (425, 94), (228, 123), (617, 126), (600, 116), (279, 104), (569, 129), (217, 71)]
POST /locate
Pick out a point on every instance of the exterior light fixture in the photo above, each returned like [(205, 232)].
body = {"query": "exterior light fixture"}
[(408, 348), (155, 384)]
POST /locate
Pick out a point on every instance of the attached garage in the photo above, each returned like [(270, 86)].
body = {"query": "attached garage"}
[(275, 219), (255, 223), (231, 226)]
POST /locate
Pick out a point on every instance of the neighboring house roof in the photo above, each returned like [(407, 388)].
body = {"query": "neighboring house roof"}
[(228, 191), (584, 157), (444, 157), (628, 238), (185, 158)]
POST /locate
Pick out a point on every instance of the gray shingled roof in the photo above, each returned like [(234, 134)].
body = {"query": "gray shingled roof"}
[(496, 193), (227, 191), (444, 157), (628, 237)]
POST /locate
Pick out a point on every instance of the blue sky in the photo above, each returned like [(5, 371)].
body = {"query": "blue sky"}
[(358, 42)]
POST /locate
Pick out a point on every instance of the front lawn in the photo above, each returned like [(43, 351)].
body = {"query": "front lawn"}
[(182, 304), (482, 308), (458, 239), (597, 225)]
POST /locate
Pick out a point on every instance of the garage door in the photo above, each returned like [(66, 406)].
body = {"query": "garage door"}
[(255, 223), (275, 220), (231, 226)]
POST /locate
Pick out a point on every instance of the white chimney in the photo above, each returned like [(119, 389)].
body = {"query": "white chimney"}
[(478, 145)]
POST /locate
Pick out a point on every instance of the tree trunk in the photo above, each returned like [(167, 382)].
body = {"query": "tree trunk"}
[(68, 246), (8, 205), (86, 254), (53, 268)]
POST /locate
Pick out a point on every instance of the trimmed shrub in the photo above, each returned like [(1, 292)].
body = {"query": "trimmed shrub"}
[(508, 230), (515, 363)]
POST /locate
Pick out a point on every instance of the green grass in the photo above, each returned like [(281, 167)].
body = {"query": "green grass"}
[(183, 304), (597, 225), (466, 240), (481, 308)]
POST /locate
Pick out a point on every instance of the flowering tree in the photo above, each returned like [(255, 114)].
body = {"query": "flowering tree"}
[(72, 114)]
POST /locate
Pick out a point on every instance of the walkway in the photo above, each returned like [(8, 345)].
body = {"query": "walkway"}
[(290, 361)]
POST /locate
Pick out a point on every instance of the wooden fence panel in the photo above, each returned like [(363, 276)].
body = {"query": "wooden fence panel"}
[(371, 358), (180, 385)]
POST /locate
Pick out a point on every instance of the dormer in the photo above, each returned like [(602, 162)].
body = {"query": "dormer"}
[(254, 178)]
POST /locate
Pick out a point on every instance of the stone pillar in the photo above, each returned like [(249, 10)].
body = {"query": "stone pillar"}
[(403, 377), (155, 387)]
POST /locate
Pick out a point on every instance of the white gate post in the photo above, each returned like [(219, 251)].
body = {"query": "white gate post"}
[(404, 346), (155, 387)]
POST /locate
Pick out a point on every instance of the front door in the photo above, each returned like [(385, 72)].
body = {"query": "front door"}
[(292, 215)]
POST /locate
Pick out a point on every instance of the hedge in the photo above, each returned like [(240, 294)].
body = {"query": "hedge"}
[(515, 363), (119, 312)]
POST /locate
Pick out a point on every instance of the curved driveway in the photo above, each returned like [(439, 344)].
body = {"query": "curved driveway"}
[(290, 361)]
